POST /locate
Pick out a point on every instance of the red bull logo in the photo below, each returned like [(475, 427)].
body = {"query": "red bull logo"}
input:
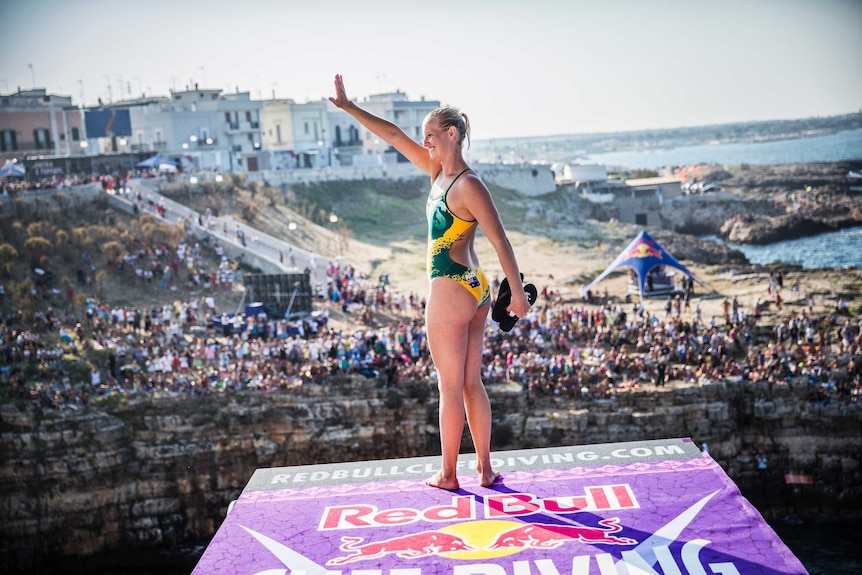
[(547, 536), (599, 498), (482, 540), (644, 249), (468, 536), (407, 547)]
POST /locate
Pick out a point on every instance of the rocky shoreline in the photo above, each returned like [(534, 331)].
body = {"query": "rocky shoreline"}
[(766, 204)]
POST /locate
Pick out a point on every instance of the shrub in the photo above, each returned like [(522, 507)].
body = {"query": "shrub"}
[(37, 248), (8, 255)]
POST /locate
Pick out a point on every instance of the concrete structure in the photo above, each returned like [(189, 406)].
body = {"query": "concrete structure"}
[(661, 187), (525, 179), (33, 122), (205, 128), (576, 173), (318, 135), (309, 135), (210, 129), (638, 201), (395, 107)]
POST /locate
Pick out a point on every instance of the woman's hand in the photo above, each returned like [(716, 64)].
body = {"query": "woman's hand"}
[(520, 305), (340, 100)]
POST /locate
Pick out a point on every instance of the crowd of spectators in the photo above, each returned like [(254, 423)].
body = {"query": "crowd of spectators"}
[(13, 187), (591, 349), (570, 349)]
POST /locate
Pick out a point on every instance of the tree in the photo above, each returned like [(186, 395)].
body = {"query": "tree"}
[(249, 210), (82, 238), (8, 255), (62, 201), (61, 241), (37, 248), (18, 233), (21, 294), (101, 277), (112, 251), (272, 195), (22, 207), (34, 229), (42, 208)]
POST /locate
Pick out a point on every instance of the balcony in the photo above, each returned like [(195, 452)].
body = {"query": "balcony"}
[(31, 146), (206, 142)]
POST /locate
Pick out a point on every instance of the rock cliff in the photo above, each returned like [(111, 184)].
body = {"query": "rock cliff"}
[(766, 204), (146, 473)]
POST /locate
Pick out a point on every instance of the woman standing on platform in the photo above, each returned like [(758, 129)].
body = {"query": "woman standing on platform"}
[(459, 298)]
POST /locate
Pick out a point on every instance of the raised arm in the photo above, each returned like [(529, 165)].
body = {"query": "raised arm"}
[(385, 130)]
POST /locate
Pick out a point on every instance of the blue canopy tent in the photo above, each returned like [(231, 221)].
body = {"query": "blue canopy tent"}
[(157, 161), (12, 170), (643, 255)]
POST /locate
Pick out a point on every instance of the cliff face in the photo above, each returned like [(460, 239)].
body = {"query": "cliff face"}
[(147, 473), (766, 204)]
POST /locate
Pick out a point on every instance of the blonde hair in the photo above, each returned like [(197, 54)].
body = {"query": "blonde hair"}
[(447, 117)]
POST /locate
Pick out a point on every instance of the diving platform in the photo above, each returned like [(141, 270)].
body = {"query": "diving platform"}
[(658, 507)]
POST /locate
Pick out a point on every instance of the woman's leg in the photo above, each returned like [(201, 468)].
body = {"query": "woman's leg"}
[(477, 404), (449, 312)]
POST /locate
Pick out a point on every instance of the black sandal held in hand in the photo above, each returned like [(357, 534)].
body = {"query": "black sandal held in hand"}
[(504, 297)]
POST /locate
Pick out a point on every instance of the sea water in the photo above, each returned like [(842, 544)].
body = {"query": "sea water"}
[(846, 145), (833, 250), (830, 250)]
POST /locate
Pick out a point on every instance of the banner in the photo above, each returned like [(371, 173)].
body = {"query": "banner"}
[(107, 123), (639, 508)]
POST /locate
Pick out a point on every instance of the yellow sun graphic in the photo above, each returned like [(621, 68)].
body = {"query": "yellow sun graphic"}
[(480, 534)]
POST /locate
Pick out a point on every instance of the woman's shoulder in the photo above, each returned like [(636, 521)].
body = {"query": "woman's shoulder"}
[(472, 183)]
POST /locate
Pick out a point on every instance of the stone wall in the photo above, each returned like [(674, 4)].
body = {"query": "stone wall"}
[(134, 473), (527, 180)]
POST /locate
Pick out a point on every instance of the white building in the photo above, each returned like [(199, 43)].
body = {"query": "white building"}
[(210, 129), (406, 114), (296, 135), (207, 129), (318, 135), (575, 173)]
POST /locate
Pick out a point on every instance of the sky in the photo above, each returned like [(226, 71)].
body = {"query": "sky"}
[(516, 68)]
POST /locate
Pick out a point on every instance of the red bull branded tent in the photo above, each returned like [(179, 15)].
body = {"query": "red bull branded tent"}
[(642, 255), (656, 507)]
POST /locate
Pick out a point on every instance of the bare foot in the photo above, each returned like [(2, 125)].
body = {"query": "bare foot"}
[(489, 479), (438, 481)]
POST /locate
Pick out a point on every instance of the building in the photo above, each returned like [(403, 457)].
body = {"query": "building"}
[(310, 135), (660, 187), (35, 123), (406, 114), (637, 201), (203, 129), (297, 135), (206, 128), (565, 174)]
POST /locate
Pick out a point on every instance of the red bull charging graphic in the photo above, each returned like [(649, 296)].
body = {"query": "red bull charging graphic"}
[(641, 508), (645, 249)]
